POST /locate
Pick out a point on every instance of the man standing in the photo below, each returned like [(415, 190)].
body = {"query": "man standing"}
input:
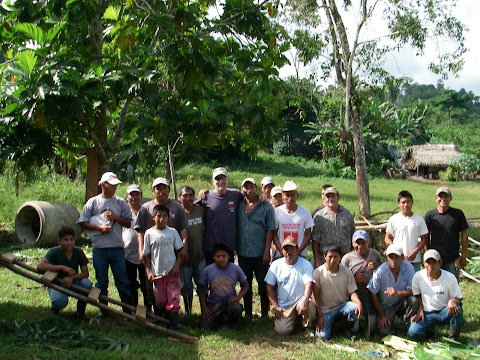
[(334, 226), (103, 217), (267, 185), (391, 290), (444, 224), (293, 275), (255, 225), (195, 265), (276, 197), (439, 298), (335, 293), (220, 214), (293, 220), (324, 200)]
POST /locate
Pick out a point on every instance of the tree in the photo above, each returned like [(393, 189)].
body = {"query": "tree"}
[(89, 72), (355, 56)]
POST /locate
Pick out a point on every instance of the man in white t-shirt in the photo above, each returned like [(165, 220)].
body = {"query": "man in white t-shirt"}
[(292, 220), (439, 298), (405, 227)]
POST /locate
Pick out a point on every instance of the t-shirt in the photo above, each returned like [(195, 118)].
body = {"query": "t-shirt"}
[(333, 229), (130, 242), (55, 256), (435, 294), (291, 279), (444, 231), (177, 219), (383, 278), (252, 229), (405, 231), (161, 246), (293, 224), (335, 288), (195, 230), (220, 214), (97, 205), (355, 262), (221, 282)]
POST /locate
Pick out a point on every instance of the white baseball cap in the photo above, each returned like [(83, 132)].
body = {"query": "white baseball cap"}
[(109, 177), (267, 180)]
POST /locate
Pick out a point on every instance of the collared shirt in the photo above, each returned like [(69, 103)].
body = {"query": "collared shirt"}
[(252, 228), (333, 230), (383, 278)]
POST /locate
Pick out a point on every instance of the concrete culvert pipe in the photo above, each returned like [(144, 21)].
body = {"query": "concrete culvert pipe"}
[(39, 222)]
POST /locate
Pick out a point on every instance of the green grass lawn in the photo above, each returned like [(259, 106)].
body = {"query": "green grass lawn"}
[(23, 300)]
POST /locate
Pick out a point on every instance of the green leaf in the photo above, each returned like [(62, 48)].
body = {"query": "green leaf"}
[(9, 109), (27, 60), (32, 31), (53, 32), (112, 13)]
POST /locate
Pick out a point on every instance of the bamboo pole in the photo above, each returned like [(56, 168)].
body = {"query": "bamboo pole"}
[(68, 292), (468, 276)]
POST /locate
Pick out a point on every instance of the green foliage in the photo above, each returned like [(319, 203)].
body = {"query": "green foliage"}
[(465, 164), (280, 147), (447, 175)]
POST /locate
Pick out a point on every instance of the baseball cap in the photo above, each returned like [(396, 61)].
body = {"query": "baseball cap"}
[(331, 190), (432, 254), (290, 186), (394, 249), (267, 180), (443, 189), (276, 190), (109, 177), (289, 241), (159, 181), (250, 180), (360, 234), (133, 188), (219, 171)]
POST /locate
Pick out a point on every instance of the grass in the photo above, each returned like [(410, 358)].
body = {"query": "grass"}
[(24, 300)]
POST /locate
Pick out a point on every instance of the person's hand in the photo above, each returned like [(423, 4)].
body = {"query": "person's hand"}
[(383, 322), (175, 270), (418, 316), (360, 278), (202, 193), (390, 292), (67, 281), (317, 262), (303, 307), (105, 228), (411, 255), (279, 312), (372, 265), (359, 310), (207, 313), (183, 253), (463, 262), (150, 276), (320, 323), (232, 299), (266, 257), (452, 307), (68, 270), (110, 215)]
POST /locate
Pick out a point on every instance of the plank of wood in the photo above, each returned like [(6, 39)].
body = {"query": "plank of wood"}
[(49, 276), (9, 257), (141, 313), (94, 294)]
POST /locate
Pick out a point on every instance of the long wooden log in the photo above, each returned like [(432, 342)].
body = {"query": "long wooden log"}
[(102, 297), (473, 241), (71, 293), (468, 276)]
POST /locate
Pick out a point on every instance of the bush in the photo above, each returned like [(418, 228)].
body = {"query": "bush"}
[(281, 148), (447, 175)]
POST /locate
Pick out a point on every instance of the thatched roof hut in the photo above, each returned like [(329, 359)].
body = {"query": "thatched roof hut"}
[(427, 160)]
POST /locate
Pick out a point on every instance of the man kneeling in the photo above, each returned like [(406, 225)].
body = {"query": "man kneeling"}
[(293, 275)]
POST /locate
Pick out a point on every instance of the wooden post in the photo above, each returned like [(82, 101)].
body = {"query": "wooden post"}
[(92, 174)]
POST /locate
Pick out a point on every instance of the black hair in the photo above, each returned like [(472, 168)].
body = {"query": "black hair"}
[(221, 247), (159, 208), (333, 248), (64, 231), (404, 194), (184, 189), (326, 186)]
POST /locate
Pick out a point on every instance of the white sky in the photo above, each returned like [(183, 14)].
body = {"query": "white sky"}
[(405, 63)]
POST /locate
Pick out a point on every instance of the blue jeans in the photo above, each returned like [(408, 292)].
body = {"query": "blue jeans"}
[(113, 257), (419, 329), (187, 273), (450, 267), (347, 309), (60, 300)]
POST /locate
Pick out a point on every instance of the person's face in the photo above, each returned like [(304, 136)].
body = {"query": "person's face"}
[(267, 188), (432, 266), (290, 197), (405, 204), (134, 199), (249, 190), (277, 200), (361, 247), (443, 199), (291, 255), (220, 183), (332, 259), (331, 200), (221, 259), (394, 261), (186, 199), (161, 192), (67, 242), (108, 189), (161, 219)]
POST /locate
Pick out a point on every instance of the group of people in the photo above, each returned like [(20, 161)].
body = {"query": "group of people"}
[(162, 246)]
